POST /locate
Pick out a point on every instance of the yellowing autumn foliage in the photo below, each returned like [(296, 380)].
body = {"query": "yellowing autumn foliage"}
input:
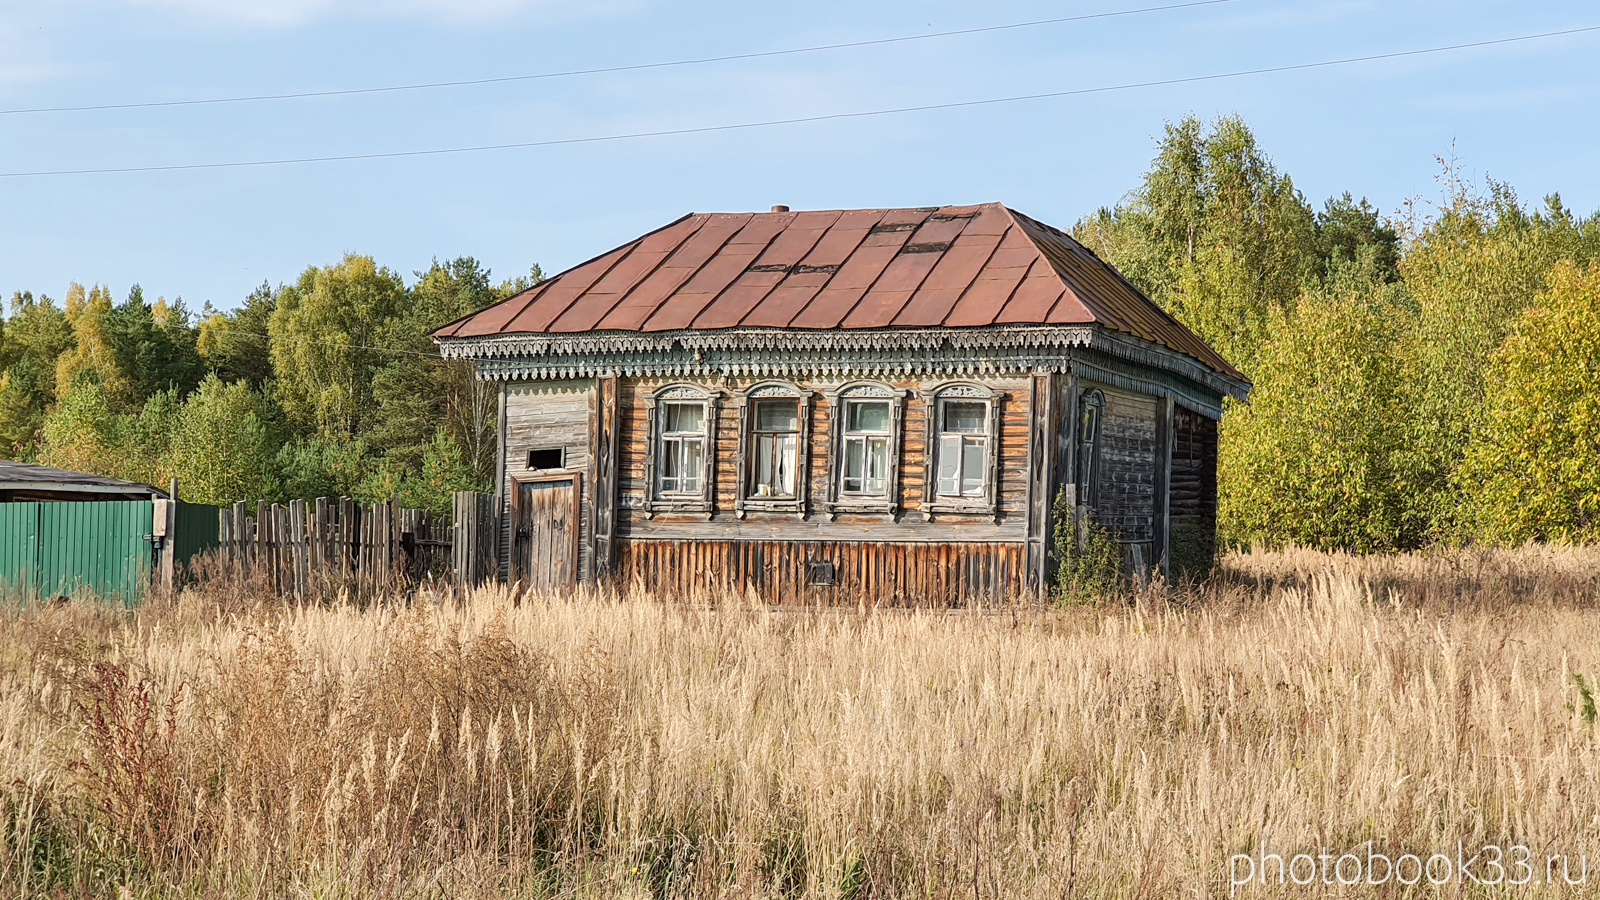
[(1533, 471)]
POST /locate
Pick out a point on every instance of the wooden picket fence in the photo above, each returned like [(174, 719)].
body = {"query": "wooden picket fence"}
[(330, 546), (475, 538)]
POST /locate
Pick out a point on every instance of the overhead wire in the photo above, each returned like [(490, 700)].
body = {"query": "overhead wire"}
[(764, 54), (231, 332), (796, 120)]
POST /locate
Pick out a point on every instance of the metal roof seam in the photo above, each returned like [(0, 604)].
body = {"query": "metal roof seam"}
[(839, 267), (876, 278), (787, 274), (545, 284), (627, 251), (700, 268), (533, 294), (956, 304), (642, 276), (906, 248), (766, 246), (1011, 295)]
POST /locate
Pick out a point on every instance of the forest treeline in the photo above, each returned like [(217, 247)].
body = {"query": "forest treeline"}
[(326, 386), (1423, 378), (1430, 376)]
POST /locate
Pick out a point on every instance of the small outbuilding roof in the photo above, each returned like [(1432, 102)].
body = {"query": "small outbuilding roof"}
[(26, 481), (932, 267)]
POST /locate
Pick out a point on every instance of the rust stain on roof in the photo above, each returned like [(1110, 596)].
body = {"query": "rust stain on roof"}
[(953, 267)]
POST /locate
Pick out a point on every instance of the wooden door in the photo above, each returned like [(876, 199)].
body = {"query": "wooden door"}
[(544, 552)]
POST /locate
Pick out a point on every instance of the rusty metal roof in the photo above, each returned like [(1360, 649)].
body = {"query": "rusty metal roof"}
[(950, 267)]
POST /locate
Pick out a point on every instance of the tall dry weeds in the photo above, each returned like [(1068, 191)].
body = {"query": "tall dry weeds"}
[(598, 747)]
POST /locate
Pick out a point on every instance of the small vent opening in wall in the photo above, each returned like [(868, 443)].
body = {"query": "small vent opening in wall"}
[(545, 459), (819, 573)]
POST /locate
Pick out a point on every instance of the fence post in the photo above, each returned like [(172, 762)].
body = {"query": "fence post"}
[(168, 555)]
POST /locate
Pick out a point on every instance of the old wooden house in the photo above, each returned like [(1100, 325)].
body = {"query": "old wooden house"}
[(878, 404)]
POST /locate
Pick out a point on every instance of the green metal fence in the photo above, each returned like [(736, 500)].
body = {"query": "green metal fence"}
[(19, 545), (197, 531), (68, 549)]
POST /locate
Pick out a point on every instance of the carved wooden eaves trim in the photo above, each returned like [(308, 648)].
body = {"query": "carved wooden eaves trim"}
[(783, 353)]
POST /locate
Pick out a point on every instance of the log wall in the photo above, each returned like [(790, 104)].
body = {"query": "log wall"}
[(1194, 494), (1127, 467), (634, 434), (905, 557)]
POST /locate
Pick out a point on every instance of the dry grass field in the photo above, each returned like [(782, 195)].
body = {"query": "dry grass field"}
[(491, 746)]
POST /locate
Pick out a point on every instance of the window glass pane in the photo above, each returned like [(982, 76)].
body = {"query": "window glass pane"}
[(963, 416), (671, 464), (681, 417), (692, 459), (877, 466), (867, 416), (972, 460), (855, 464), (787, 461), (766, 466), (950, 464), (776, 462), (777, 415)]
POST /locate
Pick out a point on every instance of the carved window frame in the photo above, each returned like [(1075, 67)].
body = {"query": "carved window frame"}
[(704, 500), (933, 402), (838, 399), (1091, 414), (744, 500)]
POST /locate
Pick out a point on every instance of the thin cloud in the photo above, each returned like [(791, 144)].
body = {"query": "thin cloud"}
[(23, 63)]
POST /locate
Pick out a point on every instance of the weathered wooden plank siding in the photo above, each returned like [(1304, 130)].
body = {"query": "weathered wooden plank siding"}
[(1126, 482), (547, 415), (898, 574), (1194, 493)]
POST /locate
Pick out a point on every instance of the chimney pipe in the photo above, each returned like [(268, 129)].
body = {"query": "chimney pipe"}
[(780, 208)]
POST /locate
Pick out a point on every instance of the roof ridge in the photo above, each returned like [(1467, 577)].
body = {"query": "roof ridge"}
[(1095, 304)]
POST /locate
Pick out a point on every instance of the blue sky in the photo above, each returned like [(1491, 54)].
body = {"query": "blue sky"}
[(1522, 113)]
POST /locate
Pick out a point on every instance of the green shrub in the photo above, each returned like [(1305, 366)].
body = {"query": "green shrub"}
[(1088, 560)]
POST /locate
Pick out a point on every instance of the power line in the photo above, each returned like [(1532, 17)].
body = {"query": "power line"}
[(608, 69), (230, 332), (961, 104)]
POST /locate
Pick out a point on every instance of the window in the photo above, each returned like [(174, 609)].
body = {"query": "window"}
[(774, 429), (776, 437), (1090, 407), (963, 448), (864, 454), (680, 457), (545, 459), (820, 573), (683, 446), (962, 451), (866, 449)]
